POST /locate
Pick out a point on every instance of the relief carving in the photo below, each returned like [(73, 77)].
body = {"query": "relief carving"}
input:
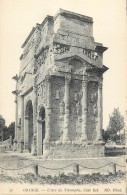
[(76, 97), (60, 48), (93, 97), (57, 95), (78, 108), (91, 54), (62, 107), (42, 57), (95, 110)]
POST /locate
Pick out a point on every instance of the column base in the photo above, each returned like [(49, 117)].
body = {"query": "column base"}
[(84, 138), (21, 145), (66, 140), (26, 151), (34, 153), (46, 141), (15, 145), (100, 142)]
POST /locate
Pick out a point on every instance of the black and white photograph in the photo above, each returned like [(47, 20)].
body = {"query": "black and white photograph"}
[(63, 103)]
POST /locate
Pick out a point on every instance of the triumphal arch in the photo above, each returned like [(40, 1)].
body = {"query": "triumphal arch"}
[(59, 110)]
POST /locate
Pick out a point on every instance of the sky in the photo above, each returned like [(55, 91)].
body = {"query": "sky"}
[(17, 18)]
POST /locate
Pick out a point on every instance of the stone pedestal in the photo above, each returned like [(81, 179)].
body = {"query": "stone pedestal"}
[(75, 150)]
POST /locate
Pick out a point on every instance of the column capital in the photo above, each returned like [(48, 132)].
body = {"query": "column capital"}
[(27, 117), (48, 78), (40, 121), (100, 84), (67, 79), (84, 83)]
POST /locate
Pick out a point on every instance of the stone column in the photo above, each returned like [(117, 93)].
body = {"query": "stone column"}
[(100, 112), (22, 125), (48, 111), (66, 115), (84, 110), (39, 137), (34, 117), (16, 122), (26, 134)]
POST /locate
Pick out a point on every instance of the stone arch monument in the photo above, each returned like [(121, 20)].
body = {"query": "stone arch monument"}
[(61, 74)]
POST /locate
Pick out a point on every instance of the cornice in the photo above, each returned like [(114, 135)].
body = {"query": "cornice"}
[(47, 18), (100, 48), (74, 16), (27, 39)]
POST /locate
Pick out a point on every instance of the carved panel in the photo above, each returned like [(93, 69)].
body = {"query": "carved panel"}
[(41, 58), (75, 108), (92, 110), (58, 106), (60, 48), (62, 108), (41, 93), (91, 54)]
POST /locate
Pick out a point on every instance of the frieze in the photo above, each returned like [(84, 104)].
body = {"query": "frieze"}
[(91, 54), (41, 94), (41, 58), (28, 48), (38, 40), (60, 48)]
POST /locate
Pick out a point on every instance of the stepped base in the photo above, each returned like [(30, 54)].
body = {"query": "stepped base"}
[(75, 150)]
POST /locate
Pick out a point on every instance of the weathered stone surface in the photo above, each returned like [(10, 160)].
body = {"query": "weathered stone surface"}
[(59, 89)]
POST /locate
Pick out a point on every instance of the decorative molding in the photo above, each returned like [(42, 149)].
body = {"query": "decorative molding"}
[(67, 79), (60, 48), (91, 54)]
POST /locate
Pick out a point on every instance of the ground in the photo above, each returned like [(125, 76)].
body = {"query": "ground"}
[(21, 168)]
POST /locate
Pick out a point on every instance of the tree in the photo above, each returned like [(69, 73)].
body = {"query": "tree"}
[(11, 129), (2, 127), (5, 132), (116, 123)]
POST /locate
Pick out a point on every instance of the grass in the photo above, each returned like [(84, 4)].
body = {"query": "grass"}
[(95, 178)]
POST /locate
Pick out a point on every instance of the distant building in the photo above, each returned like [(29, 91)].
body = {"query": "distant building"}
[(59, 112)]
